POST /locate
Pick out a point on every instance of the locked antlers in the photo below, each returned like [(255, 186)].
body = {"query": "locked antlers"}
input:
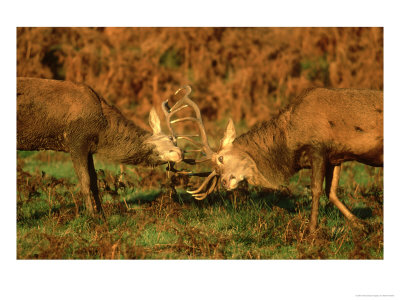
[(183, 101)]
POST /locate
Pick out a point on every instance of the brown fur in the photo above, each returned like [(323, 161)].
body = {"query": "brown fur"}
[(321, 129), (71, 117)]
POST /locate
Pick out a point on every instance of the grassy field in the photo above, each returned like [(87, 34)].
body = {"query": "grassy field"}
[(147, 219)]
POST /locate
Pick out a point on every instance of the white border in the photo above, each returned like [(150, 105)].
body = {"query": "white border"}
[(197, 279)]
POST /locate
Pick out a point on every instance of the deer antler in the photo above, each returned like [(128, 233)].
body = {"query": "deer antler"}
[(200, 196), (183, 101)]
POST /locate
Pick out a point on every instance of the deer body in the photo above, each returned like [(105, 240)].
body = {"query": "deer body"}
[(321, 129), (71, 117), (338, 125)]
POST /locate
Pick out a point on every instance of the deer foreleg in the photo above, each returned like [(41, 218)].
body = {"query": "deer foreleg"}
[(317, 180), (84, 169)]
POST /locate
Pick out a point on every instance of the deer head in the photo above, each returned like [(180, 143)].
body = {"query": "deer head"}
[(231, 164), (234, 165), (165, 148)]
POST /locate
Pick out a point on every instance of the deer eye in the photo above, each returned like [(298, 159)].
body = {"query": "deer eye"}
[(171, 138), (221, 159)]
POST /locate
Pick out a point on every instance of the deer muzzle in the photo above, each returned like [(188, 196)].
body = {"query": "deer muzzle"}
[(230, 182), (175, 155)]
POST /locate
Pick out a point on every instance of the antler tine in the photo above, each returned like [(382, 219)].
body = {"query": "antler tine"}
[(179, 96), (169, 112), (201, 196), (207, 149), (205, 194), (212, 175), (184, 101), (190, 140)]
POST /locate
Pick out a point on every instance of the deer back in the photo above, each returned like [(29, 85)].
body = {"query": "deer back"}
[(53, 115), (347, 124)]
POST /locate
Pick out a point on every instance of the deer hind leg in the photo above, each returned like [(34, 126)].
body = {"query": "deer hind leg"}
[(331, 184), (317, 180), (84, 169)]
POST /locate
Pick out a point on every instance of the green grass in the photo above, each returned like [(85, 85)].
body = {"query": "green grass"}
[(146, 219)]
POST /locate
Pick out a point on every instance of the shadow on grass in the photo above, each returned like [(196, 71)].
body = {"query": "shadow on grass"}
[(363, 212), (243, 199), (36, 215), (143, 198)]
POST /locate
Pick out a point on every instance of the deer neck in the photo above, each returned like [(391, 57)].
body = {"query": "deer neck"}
[(266, 145), (122, 141)]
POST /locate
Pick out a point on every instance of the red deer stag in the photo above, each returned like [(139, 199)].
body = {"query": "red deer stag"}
[(72, 117), (321, 129)]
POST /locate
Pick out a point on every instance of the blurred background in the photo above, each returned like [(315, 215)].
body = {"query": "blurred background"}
[(244, 73)]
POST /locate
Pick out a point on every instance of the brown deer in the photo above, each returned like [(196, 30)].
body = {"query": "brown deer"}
[(321, 129), (72, 117)]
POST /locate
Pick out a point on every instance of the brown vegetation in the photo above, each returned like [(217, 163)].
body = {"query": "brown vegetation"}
[(246, 73)]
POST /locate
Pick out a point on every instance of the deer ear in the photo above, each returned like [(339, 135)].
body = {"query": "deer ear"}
[(229, 135), (154, 122)]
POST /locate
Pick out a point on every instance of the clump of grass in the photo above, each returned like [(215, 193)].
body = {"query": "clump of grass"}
[(244, 73)]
